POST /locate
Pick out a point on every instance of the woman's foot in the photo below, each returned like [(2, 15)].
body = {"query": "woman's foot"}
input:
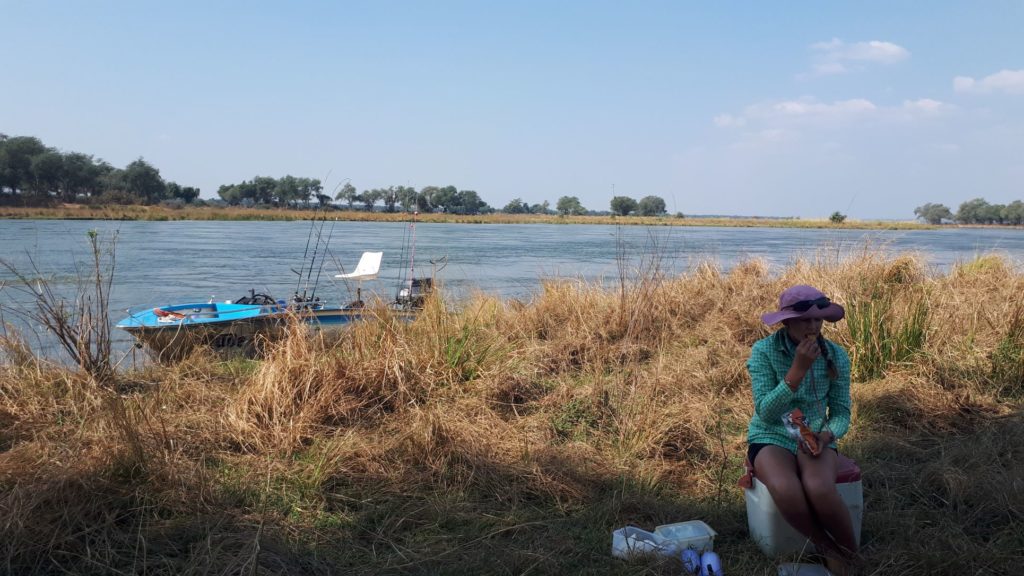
[(837, 565)]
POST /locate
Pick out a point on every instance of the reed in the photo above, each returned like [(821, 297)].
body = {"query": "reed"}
[(513, 437)]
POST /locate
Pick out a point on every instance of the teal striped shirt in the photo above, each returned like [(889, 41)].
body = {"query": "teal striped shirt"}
[(819, 398)]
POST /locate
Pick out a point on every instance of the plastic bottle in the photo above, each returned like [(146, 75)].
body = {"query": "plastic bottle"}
[(691, 561), (710, 564)]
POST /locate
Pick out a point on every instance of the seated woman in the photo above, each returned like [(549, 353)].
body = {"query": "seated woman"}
[(793, 369)]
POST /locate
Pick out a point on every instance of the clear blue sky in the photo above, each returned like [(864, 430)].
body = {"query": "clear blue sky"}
[(754, 108)]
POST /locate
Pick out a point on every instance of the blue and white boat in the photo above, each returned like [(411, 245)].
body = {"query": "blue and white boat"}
[(171, 331)]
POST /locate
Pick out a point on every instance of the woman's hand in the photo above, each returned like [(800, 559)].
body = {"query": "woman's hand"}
[(825, 437), (806, 353)]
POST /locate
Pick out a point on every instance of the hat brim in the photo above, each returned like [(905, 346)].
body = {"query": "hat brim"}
[(833, 313)]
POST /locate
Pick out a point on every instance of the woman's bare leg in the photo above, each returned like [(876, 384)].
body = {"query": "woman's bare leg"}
[(818, 476), (776, 468)]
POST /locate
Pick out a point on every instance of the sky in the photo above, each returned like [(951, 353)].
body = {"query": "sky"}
[(743, 108)]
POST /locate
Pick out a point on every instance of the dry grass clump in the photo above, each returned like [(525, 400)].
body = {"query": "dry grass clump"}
[(512, 438)]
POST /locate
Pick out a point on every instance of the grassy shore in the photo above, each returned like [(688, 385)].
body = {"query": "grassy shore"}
[(511, 438), (159, 213)]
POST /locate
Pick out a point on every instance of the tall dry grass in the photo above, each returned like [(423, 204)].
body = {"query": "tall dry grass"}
[(511, 438)]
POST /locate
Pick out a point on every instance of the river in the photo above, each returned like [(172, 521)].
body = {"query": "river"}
[(162, 262)]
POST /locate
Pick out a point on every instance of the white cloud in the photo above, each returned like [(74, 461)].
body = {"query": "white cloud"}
[(809, 108), (808, 112), (833, 55), (925, 106), (729, 121), (1009, 81)]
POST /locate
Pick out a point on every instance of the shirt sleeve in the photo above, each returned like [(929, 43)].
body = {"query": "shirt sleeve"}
[(772, 396), (839, 395)]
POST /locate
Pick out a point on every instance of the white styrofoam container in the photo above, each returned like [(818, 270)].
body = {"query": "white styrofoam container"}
[(775, 536), (690, 534), (633, 541)]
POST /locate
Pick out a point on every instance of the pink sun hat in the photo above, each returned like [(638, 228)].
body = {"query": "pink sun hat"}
[(802, 301)]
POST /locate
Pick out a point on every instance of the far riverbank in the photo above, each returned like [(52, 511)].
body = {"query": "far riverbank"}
[(160, 213)]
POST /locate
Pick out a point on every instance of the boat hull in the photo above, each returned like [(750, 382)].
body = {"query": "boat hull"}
[(173, 332)]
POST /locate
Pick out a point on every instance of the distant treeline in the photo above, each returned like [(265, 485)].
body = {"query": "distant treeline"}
[(32, 174), (976, 211)]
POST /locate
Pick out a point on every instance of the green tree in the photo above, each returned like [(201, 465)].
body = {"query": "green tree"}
[(369, 198), (623, 205), (186, 194), (407, 196), (837, 217), (82, 176), (16, 156), (516, 206), (570, 206), (142, 180), (976, 211), (347, 194), (47, 173), (469, 202), (1013, 213), (651, 206), (230, 193), (263, 190), (390, 198), (933, 213)]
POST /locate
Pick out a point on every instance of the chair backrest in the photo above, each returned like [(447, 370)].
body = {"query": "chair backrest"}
[(367, 269)]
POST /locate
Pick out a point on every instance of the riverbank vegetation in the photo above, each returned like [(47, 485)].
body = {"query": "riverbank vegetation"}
[(508, 437), (165, 213)]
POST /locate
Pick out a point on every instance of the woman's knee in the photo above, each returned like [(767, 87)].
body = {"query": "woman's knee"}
[(787, 493), (820, 489)]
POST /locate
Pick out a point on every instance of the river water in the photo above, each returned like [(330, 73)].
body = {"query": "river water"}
[(164, 262)]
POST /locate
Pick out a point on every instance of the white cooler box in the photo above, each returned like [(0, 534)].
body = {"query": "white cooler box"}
[(776, 537)]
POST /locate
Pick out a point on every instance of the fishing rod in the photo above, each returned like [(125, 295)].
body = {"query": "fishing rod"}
[(304, 254), (312, 261), (323, 258)]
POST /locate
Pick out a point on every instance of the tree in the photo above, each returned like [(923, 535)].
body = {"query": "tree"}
[(1013, 213), (407, 197), (425, 202), (651, 206), (541, 208), (933, 213), (348, 194), (143, 180), (516, 206), (390, 197), (186, 194), (447, 199), (469, 202), (976, 211), (230, 193), (16, 156), (623, 205), (369, 198), (47, 172), (82, 176), (837, 217), (570, 206), (287, 190)]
